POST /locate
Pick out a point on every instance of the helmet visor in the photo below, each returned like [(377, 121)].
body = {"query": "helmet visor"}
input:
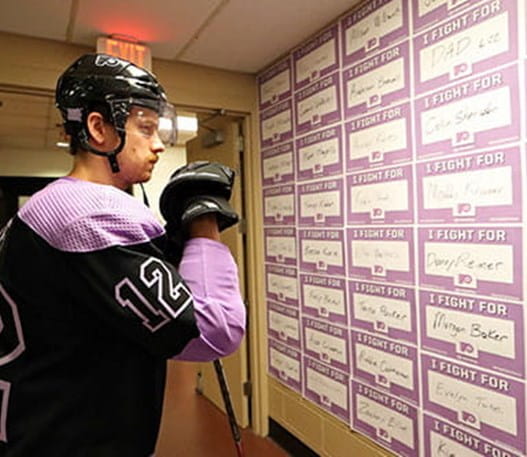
[(148, 118)]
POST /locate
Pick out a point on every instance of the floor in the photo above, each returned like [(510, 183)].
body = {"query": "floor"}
[(193, 427)]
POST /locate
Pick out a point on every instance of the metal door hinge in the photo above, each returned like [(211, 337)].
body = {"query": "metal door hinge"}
[(247, 388), (242, 226)]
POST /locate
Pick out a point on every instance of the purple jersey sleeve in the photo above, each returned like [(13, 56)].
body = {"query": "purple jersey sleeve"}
[(211, 274)]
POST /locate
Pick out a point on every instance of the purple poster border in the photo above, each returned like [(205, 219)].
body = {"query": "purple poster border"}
[(325, 282), (270, 73)]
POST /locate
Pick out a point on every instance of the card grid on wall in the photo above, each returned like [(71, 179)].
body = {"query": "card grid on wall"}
[(392, 148)]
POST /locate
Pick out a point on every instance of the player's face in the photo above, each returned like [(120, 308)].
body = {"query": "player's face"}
[(142, 146)]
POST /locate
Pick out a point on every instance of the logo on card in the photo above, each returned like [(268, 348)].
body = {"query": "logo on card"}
[(319, 217), (378, 270), (464, 209), (383, 380), (377, 213), (280, 257), (321, 265), (279, 216), (463, 138), (281, 296), (381, 326), (277, 177), (274, 98), (317, 168), (315, 119), (276, 136), (324, 399), (462, 69), (372, 43), (376, 156), (383, 434), (323, 311), (469, 419), (374, 100), (465, 280), (467, 349), (314, 74), (283, 375), (282, 335), (324, 356)]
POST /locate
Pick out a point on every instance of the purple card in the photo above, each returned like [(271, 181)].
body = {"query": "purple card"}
[(443, 440), (386, 364), (316, 58), (381, 80), (275, 83), (326, 343), (485, 261), (474, 114), (276, 124), (322, 251), (318, 105), (283, 323), (388, 421), (383, 309), (486, 332), (383, 253), (319, 154), (478, 40), (278, 164), (381, 196), (280, 245), (488, 403), (380, 138), (285, 364), (372, 27), (327, 387), (321, 203), (282, 284), (279, 205), (426, 12), (482, 187), (324, 297)]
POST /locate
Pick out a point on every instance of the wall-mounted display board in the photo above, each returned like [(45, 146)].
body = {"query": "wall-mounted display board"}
[(394, 162)]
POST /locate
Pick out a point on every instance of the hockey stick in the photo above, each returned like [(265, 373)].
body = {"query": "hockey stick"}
[(236, 435)]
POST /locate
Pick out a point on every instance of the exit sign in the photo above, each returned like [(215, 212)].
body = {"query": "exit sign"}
[(126, 49)]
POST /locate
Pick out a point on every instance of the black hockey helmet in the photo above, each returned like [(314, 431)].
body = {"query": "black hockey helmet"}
[(110, 85)]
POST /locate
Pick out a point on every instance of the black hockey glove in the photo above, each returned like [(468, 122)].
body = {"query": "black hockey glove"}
[(193, 190)]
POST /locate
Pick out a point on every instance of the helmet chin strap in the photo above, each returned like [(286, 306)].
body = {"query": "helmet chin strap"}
[(110, 155)]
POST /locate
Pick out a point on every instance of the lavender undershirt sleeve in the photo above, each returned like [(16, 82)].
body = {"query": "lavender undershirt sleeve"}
[(209, 270)]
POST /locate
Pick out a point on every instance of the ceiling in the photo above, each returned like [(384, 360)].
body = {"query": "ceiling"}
[(238, 35)]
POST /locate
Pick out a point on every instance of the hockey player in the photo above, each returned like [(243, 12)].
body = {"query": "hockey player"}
[(90, 308)]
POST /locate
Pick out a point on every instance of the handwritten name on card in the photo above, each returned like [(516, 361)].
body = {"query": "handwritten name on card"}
[(484, 401), (483, 187), (285, 364), (482, 331), (482, 260), (320, 153), (380, 138), (383, 309), (473, 114), (480, 39), (317, 58), (385, 419), (372, 27), (275, 84), (324, 297)]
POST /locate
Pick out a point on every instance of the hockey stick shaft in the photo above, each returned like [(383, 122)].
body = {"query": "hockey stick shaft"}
[(235, 430)]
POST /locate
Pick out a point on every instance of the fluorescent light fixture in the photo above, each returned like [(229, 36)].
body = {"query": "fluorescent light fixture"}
[(187, 124)]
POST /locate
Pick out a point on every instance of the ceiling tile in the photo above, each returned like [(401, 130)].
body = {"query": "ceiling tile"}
[(44, 19), (248, 34), (166, 26)]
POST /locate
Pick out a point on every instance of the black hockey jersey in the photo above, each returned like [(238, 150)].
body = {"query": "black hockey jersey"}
[(90, 311)]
